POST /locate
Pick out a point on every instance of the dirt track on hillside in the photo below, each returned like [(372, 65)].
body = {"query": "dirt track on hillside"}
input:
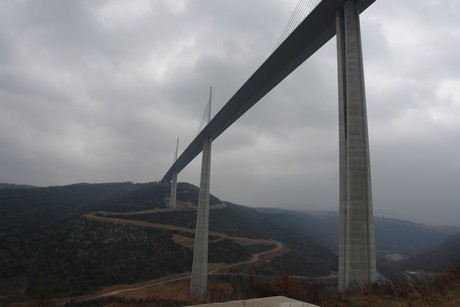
[(240, 240), (140, 289)]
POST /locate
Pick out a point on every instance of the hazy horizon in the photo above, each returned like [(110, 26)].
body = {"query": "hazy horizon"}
[(307, 207), (100, 90)]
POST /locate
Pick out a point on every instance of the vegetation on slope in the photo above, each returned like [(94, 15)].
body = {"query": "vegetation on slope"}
[(81, 255), (304, 256), (24, 209), (47, 241), (442, 291)]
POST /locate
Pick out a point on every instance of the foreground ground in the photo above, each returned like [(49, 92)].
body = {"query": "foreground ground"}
[(443, 291)]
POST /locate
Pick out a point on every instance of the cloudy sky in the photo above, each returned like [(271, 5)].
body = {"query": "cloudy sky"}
[(98, 91)]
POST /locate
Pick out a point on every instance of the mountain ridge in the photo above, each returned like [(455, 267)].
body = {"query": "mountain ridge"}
[(51, 236)]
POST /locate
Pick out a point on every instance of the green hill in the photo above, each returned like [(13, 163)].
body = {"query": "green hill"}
[(23, 209), (47, 238)]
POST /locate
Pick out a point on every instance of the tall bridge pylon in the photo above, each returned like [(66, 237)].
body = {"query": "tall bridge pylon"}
[(199, 280), (356, 243)]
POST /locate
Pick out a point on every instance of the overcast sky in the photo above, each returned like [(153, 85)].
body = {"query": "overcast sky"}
[(98, 91)]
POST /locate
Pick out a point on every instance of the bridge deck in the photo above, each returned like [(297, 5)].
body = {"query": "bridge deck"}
[(314, 31)]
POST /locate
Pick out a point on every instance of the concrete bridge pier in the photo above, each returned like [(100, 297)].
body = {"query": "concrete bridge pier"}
[(173, 194), (199, 281), (356, 244)]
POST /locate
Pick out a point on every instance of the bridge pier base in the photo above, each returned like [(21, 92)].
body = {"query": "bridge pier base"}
[(199, 281), (356, 244)]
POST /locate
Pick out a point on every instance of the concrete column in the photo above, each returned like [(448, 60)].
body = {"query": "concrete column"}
[(199, 282), (356, 243), (342, 146), (173, 194)]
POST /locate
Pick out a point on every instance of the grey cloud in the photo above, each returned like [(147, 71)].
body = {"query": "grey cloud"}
[(99, 91)]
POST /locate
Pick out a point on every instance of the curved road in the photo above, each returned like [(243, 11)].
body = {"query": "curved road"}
[(278, 249)]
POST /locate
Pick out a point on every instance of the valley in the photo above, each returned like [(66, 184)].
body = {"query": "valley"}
[(89, 243), (138, 290)]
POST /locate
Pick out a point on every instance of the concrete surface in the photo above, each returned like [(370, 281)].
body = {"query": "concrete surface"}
[(274, 301), (199, 281), (356, 243)]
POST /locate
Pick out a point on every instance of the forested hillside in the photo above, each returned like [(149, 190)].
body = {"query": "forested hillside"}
[(79, 238), (24, 208)]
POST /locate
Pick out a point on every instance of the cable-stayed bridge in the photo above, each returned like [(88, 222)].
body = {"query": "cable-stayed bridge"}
[(300, 40)]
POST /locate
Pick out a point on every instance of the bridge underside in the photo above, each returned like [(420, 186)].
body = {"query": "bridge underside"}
[(316, 30)]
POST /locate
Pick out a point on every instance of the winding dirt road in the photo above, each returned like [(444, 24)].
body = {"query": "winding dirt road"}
[(214, 268)]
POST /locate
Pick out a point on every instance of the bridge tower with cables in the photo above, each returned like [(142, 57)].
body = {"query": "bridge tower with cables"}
[(357, 265), (199, 280)]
